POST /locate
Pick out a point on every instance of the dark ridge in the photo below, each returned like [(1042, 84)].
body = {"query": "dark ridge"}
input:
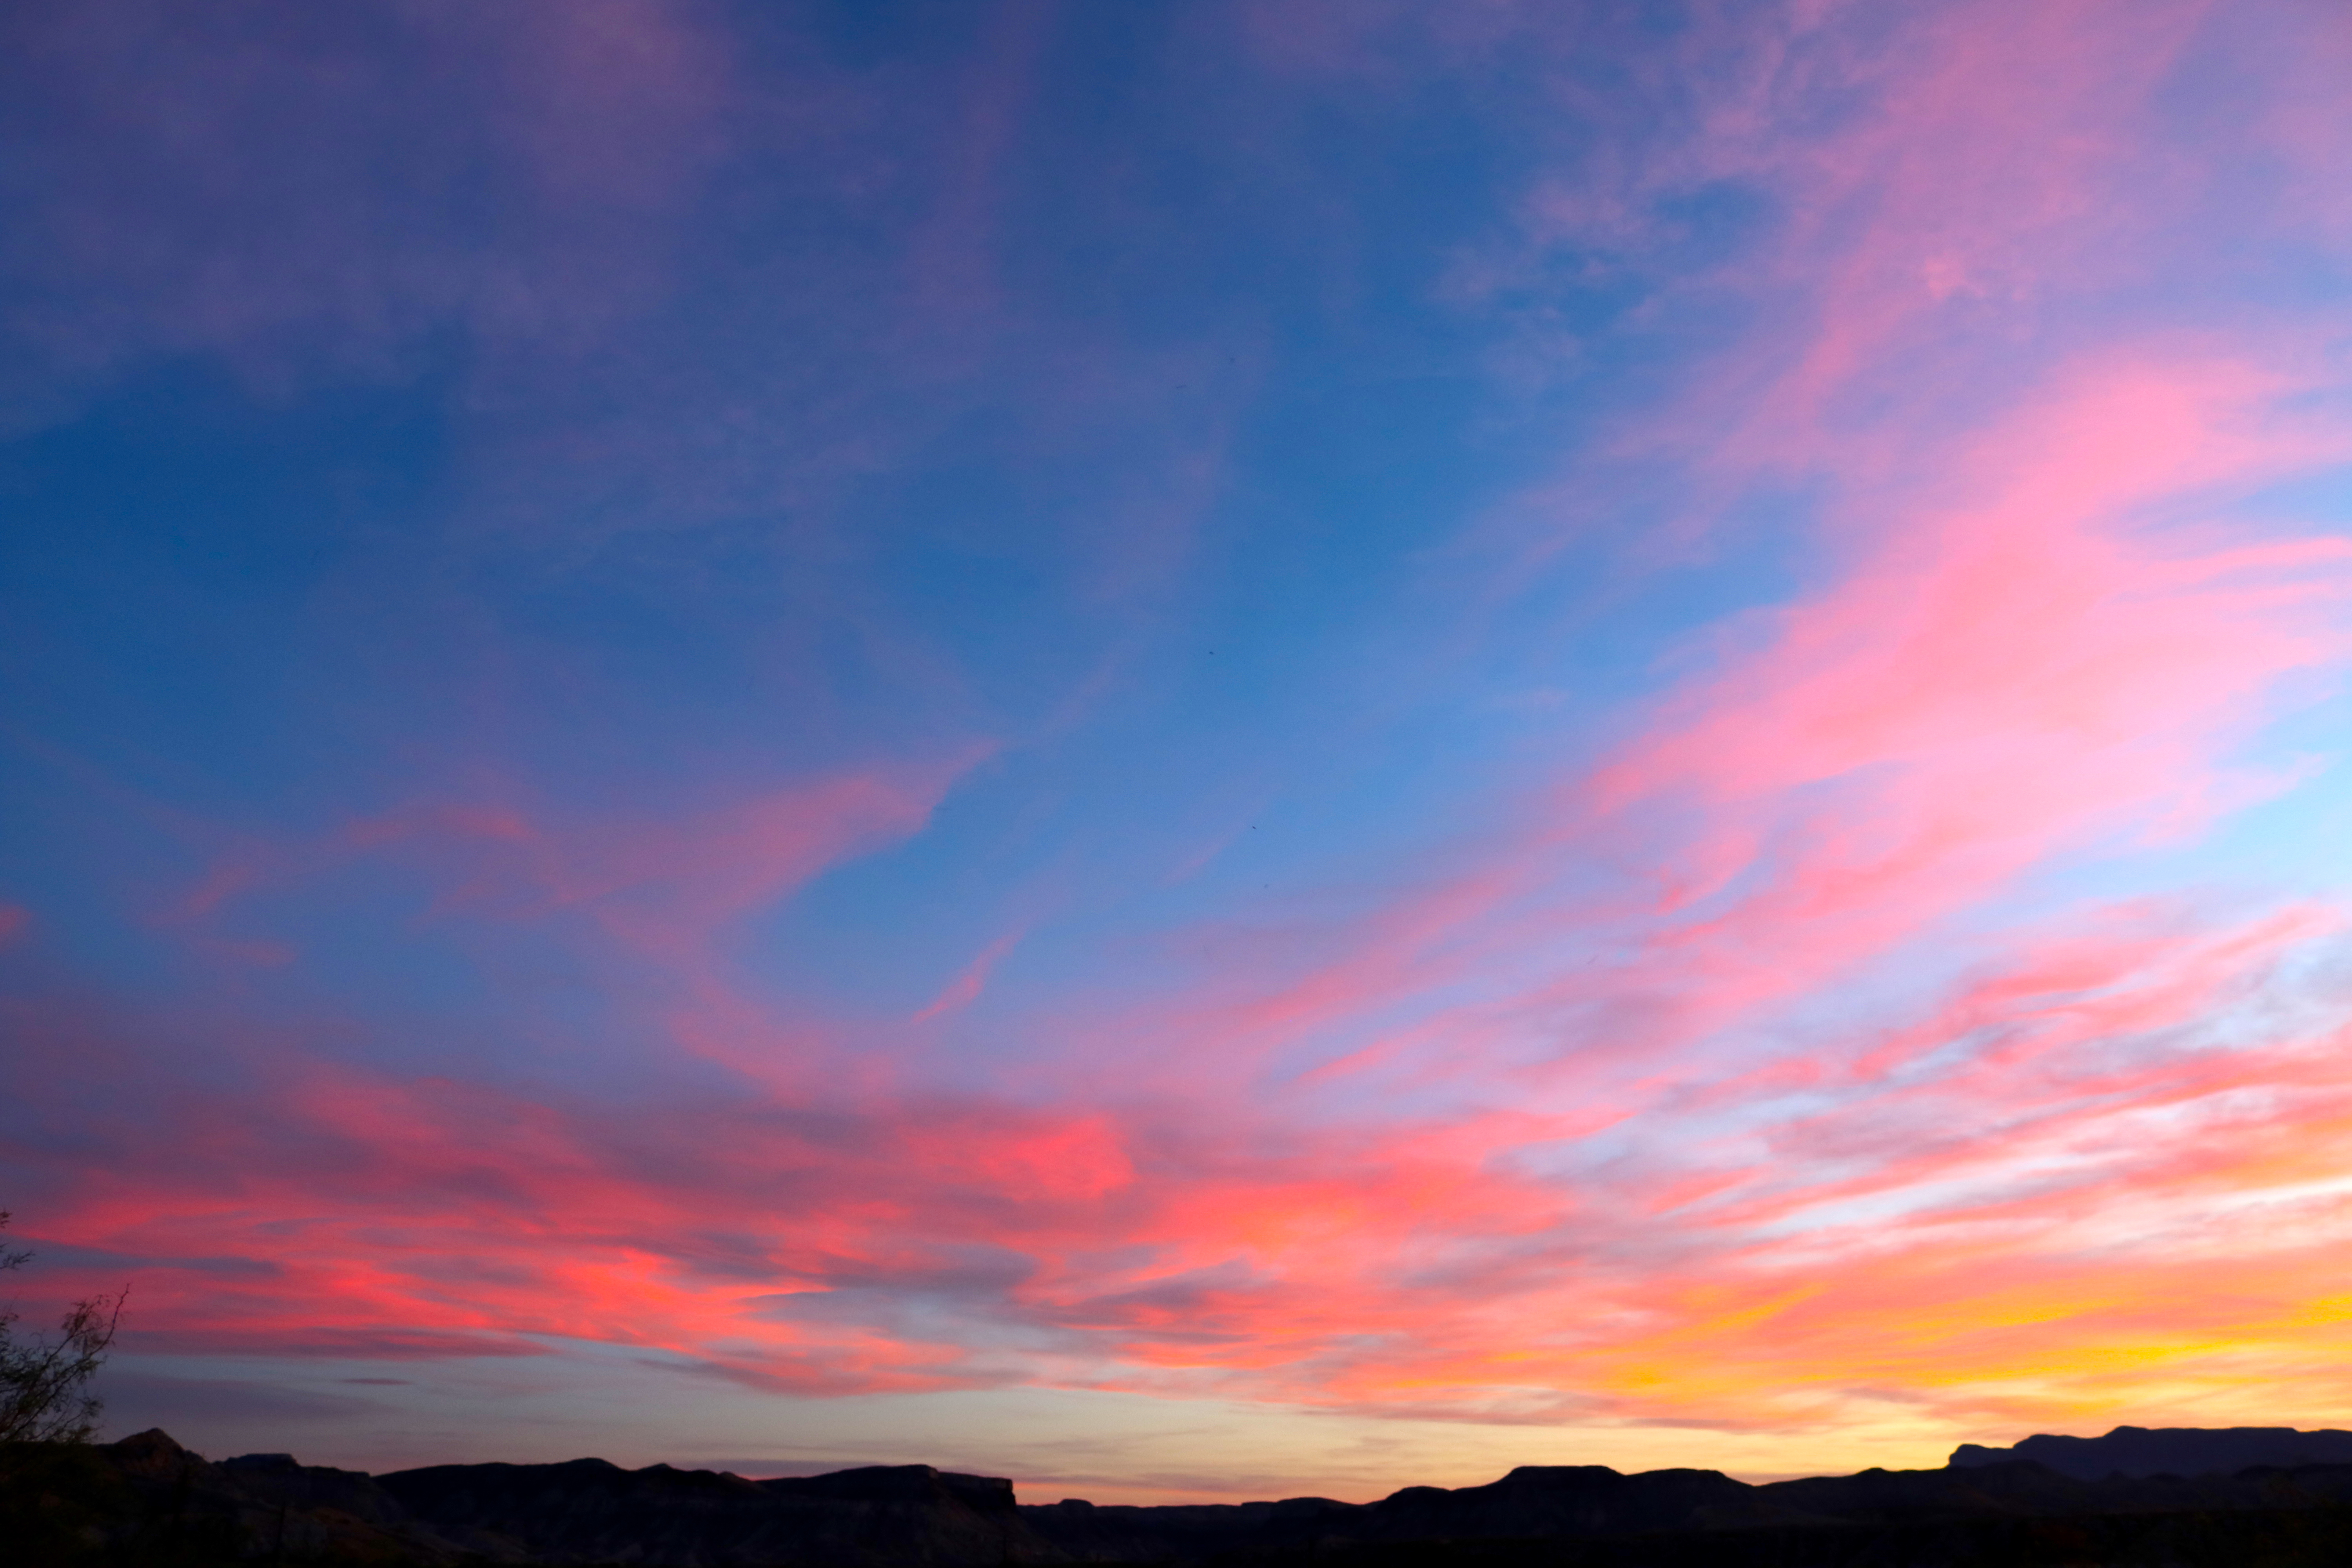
[(591, 1511), (148, 1501), (2139, 1451)]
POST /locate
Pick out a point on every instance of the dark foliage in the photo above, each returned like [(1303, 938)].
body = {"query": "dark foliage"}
[(45, 1394)]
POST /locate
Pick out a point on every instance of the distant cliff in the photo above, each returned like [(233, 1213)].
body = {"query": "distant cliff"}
[(2168, 1451), (591, 1511), (146, 1500)]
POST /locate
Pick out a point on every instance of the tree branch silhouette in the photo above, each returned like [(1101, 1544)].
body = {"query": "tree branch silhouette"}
[(44, 1384)]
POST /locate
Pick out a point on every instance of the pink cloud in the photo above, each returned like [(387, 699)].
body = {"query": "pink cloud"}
[(2045, 634), (661, 885), (651, 905), (2052, 1140), (2014, 667), (965, 988)]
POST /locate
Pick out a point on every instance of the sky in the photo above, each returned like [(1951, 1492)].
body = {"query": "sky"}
[(1192, 751)]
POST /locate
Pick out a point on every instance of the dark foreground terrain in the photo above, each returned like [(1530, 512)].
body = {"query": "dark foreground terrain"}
[(146, 1500)]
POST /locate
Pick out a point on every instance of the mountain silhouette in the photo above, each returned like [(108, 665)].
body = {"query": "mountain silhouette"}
[(2168, 1451), (146, 1500)]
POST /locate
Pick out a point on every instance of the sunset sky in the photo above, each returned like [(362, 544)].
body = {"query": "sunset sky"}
[(1197, 750)]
